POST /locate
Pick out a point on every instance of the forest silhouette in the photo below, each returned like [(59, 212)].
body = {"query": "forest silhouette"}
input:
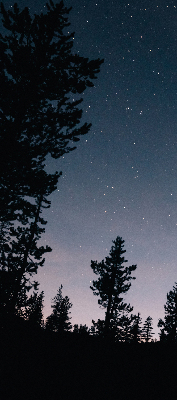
[(117, 357)]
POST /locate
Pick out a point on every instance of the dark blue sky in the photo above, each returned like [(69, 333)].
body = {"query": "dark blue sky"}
[(122, 179)]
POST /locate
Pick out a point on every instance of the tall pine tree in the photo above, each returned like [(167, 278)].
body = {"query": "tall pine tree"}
[(113, 281), (59, 320), (147, 329), (42, 81)]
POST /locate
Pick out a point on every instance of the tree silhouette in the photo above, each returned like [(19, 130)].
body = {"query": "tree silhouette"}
[(169, 325), (121, 325), (123, 322), (41, 81), (98, 328), (34, 309), (147, 329), (58, 321), (20, 262), (82, 330), (114, 280), (136, 330)]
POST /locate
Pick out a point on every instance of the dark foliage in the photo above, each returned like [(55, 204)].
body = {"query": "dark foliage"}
[(169, 324), (136, 330), (39, 76), (82, 330), (147, 329), (58, 321), (34, 309), (114, 280)]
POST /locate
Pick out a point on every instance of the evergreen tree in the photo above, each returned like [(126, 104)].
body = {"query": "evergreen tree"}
[(136, 331), (34, 309), (147, 329), (169, 325), (42, 82), (162, 334), (114, 280), (58, 321)]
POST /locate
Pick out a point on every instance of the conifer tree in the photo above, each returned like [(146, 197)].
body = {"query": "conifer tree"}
[(42, 81), (113, 281), (136, 331), (147, 329), (59, 320), (169, 324)]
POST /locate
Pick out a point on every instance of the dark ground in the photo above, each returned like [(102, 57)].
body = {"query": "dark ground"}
[(36, 366)]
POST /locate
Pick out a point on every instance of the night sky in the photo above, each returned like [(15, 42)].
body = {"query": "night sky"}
[(122, 179)]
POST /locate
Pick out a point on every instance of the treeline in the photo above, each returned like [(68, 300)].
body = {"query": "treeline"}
[(119, 325)]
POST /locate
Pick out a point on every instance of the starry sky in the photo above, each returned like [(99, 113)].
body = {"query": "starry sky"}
[(122, 179)]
